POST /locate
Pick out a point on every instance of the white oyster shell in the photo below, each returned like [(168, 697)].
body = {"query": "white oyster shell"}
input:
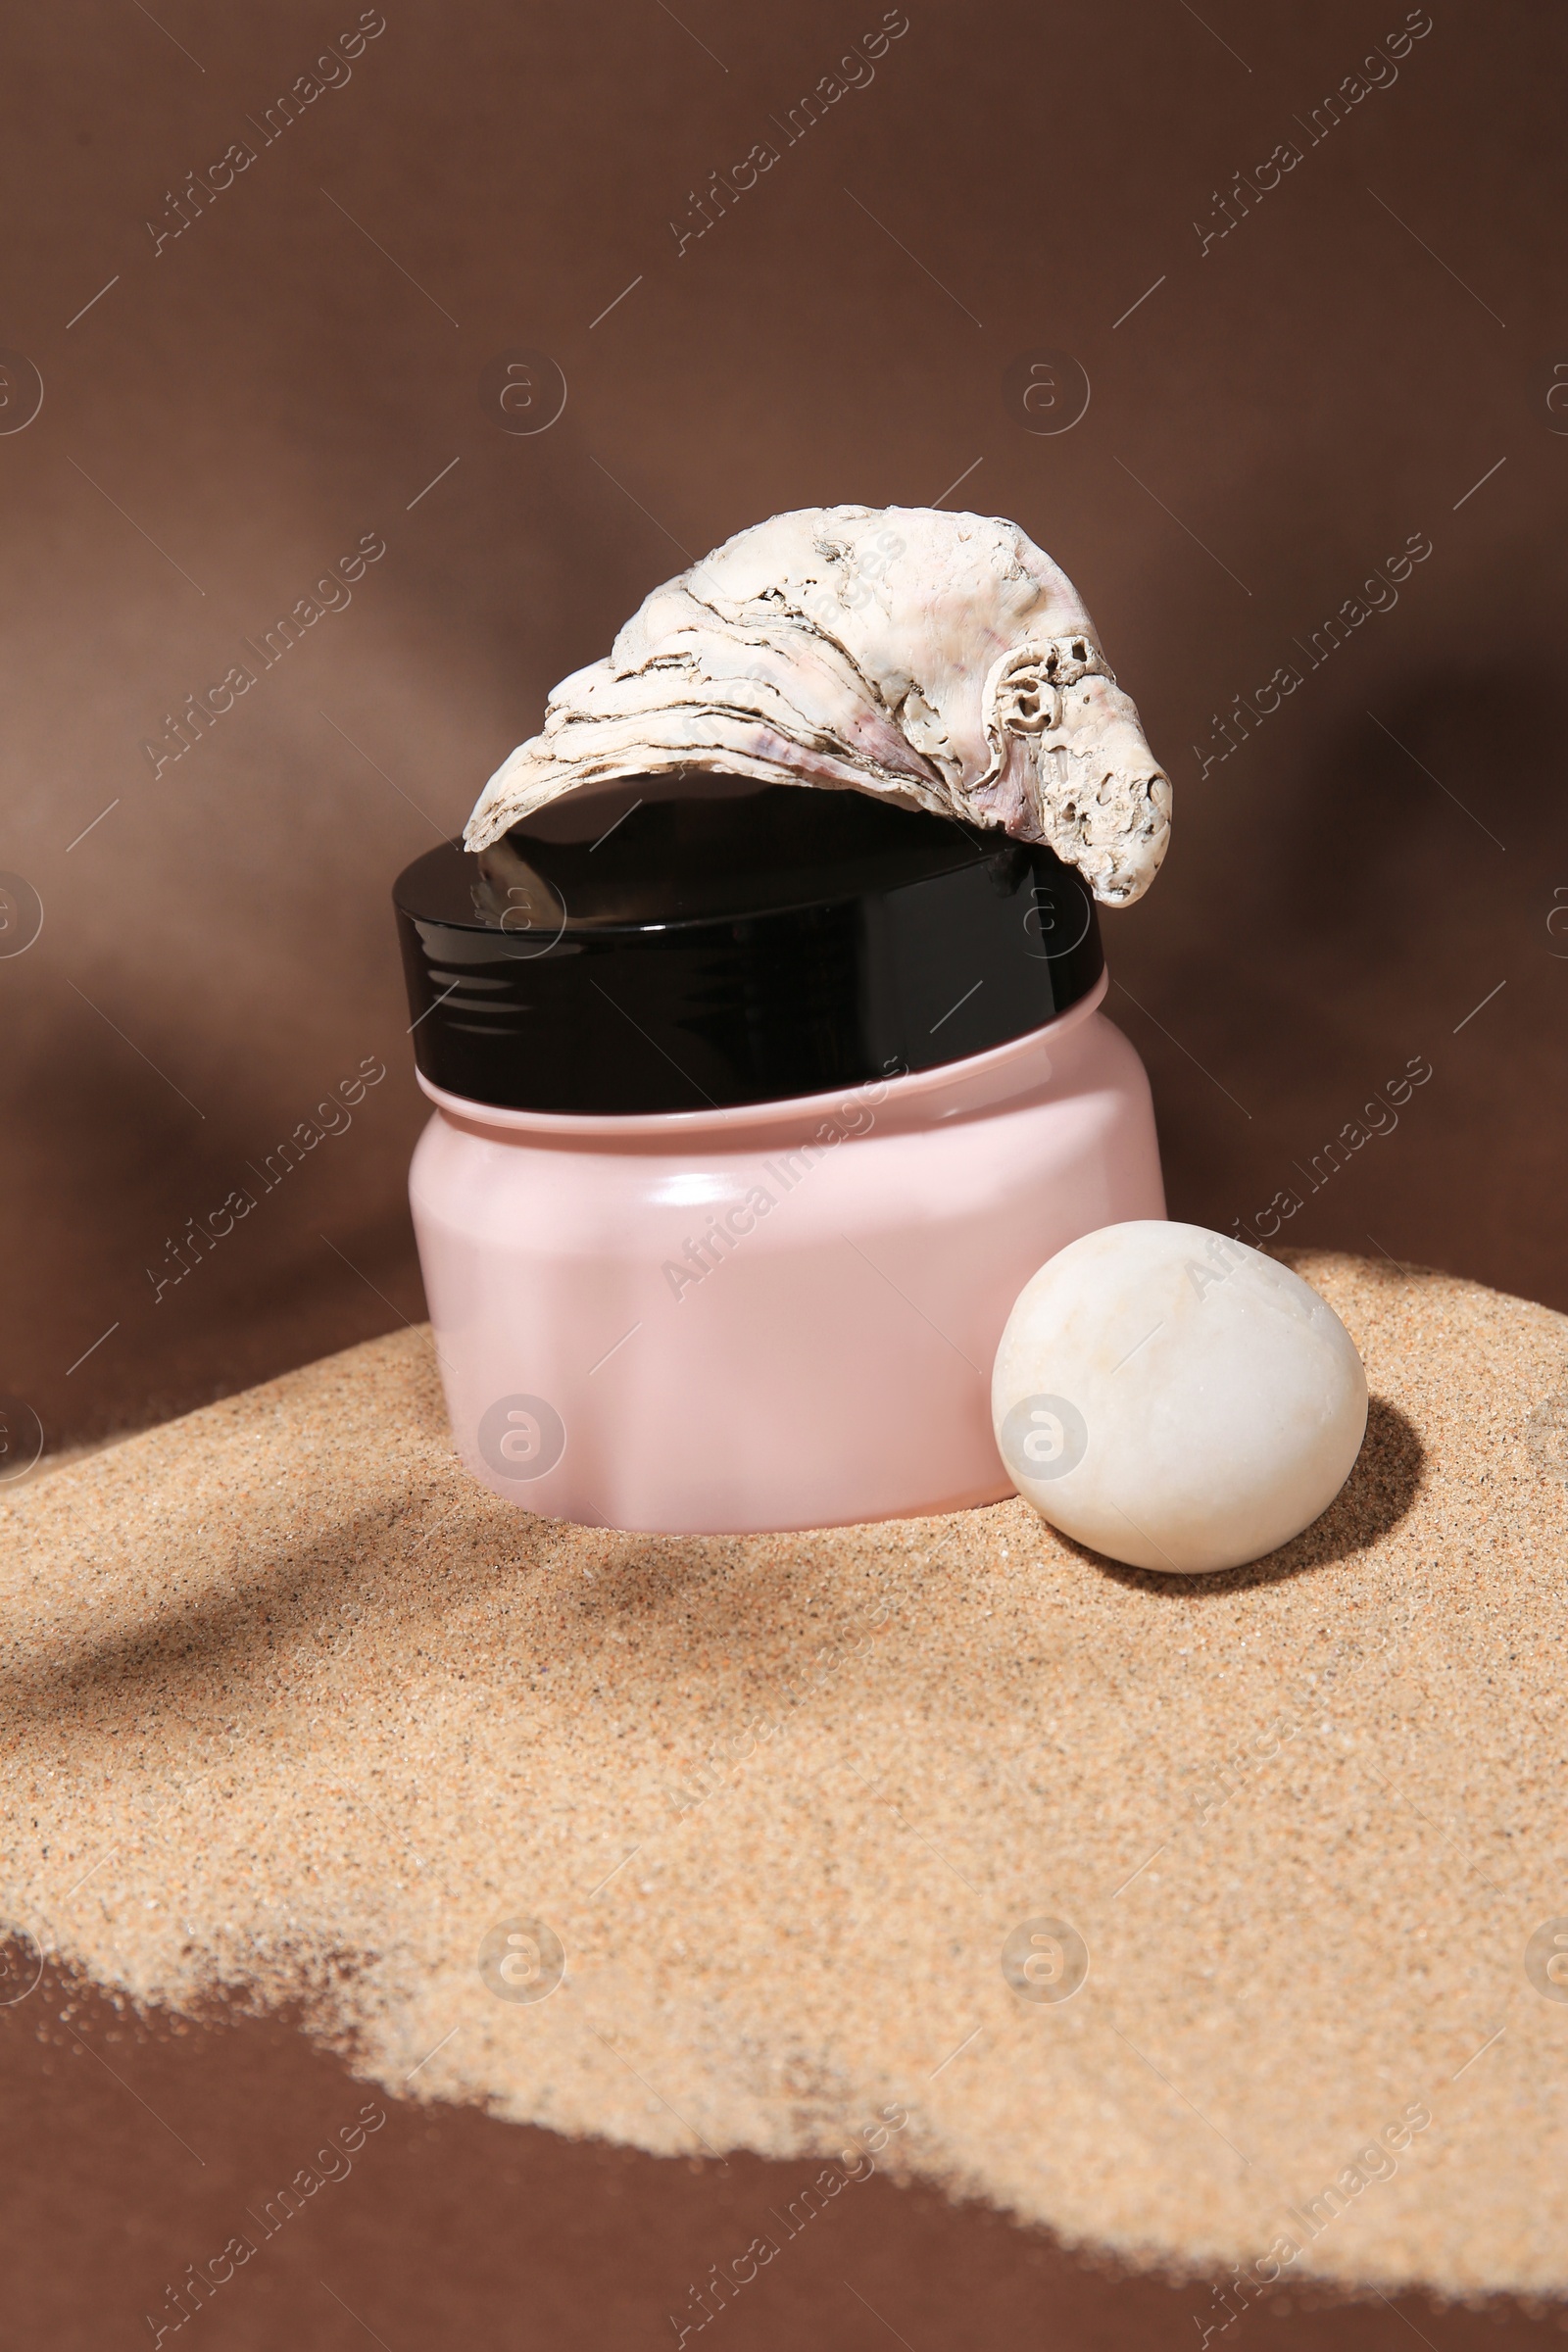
[(933, 658)]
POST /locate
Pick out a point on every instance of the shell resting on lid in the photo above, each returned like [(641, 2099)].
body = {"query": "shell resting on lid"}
[(942, 660)]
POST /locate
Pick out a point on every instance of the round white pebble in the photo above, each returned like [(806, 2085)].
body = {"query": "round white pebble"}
[(1174, 1399)]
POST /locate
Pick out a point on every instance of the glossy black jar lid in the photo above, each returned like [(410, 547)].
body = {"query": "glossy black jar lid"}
[(686, 943)]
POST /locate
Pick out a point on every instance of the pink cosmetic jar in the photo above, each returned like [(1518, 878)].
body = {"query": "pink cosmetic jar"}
[(756, 1107)]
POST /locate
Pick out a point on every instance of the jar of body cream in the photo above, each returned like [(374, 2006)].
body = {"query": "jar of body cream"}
[(755, 1108)]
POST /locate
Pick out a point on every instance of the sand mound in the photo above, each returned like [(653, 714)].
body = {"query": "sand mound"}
[(293, 1705)]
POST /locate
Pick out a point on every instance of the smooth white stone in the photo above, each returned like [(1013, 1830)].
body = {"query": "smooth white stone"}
[(1175, 1400)]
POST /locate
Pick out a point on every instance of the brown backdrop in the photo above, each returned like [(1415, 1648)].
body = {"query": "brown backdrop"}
[(289, 370)]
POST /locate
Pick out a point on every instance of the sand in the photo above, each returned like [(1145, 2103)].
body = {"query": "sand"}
[(294, 1709)]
